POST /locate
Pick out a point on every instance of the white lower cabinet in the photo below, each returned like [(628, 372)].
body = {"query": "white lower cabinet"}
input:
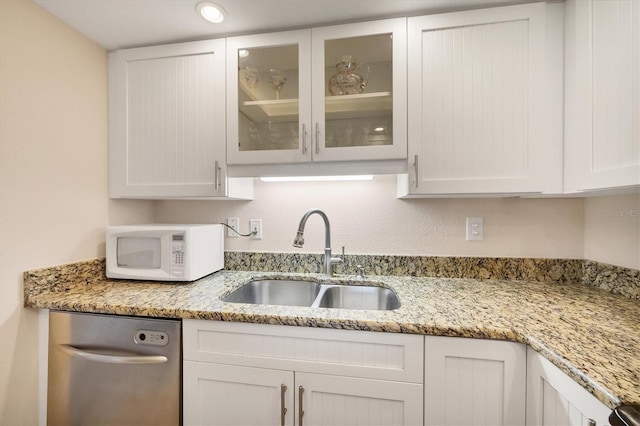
[(335, 400), (553, 398), (474, 382), (218, 394), (253, 374), (257, 374)]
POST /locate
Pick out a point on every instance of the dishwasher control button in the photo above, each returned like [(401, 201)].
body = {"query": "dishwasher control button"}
[(151, 338)]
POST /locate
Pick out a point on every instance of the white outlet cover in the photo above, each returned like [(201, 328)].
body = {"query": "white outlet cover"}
[(233, 222), (475, 228), (256, 224)]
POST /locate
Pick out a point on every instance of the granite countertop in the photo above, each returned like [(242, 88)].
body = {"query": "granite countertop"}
[(590, 334)]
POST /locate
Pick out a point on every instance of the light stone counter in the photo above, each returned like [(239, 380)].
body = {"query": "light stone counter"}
[(591, 334)]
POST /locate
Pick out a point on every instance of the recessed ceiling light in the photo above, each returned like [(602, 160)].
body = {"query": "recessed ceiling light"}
[(243, 53), (211, 12)]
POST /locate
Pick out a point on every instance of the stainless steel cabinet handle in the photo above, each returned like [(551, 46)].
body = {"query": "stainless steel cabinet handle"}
[(216, 177), (300, 410), (109, 358), (304, 139), (283, 409), (415, 170), (317, 138)]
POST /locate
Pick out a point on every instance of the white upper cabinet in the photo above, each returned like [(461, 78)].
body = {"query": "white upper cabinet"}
[(485, 102), (320, 100), (167, 123), (602, 98), (269, 98)]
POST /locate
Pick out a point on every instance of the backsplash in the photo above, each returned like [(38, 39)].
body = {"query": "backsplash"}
[(559, 270), (611, 278), (615, 279)]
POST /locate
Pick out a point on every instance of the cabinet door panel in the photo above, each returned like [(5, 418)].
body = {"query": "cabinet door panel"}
[(485, 100), (602, 95), (474, 382), (366, 122), (166, 121), (559, 411), (334, 401), (217, 394), (554, 399), (269, 98), (482, 72)]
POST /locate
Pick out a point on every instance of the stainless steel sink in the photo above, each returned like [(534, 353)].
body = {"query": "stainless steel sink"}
[(276, 292), (309, 293), (359, 297)]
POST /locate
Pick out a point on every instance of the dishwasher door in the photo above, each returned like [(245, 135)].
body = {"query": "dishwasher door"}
[(113, 370)]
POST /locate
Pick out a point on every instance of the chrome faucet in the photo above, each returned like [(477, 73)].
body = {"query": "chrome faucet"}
[(299, 240)]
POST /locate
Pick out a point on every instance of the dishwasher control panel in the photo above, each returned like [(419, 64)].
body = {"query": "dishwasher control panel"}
[(151, 338)]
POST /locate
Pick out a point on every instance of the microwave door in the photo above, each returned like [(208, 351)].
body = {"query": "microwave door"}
[(139, 252)]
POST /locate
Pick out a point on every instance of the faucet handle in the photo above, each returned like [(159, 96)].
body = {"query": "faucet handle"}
[(337, 259)]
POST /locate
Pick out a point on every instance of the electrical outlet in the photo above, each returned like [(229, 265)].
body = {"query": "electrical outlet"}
[(255, 228), (475, 229), (234, 223)]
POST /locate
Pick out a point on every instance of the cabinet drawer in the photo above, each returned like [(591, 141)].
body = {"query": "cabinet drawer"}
[(386, 356)]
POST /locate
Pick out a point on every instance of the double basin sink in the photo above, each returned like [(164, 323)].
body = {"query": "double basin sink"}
[(289, 292)]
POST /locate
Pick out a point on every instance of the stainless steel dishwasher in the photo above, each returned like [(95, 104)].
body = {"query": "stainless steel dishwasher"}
[(113, 370)]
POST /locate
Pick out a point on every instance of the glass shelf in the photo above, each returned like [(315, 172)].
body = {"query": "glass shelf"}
[(345, 106)]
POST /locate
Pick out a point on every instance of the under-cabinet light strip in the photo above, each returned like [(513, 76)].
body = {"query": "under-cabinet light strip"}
[(315, 178)]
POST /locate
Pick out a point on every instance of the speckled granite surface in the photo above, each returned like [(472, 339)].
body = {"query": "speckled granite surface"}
[(559, 270), (612, 278), (591, 334), (608, 277)]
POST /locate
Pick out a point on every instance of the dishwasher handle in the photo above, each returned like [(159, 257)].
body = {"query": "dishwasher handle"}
[(109, 358)]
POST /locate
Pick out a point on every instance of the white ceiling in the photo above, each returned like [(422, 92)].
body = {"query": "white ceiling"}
[(117, 24)]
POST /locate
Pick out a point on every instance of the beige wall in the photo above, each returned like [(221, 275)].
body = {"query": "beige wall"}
[(612, 230), (367, 218), (53, 177)]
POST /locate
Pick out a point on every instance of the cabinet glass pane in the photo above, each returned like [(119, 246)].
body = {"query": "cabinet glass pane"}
[(358, 97), (268, 113)]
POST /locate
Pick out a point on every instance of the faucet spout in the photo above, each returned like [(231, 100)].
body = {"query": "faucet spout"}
[(299, 239)]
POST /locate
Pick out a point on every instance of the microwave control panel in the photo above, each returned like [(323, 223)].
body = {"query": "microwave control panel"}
[(177, 254)]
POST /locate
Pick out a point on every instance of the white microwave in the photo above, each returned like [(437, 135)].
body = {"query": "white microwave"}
[(164, 252)]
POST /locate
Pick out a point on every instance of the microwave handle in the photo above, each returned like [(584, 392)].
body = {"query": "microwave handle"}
[(99, 356)]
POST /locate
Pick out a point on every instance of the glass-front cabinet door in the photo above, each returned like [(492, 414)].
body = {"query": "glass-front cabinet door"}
[(269, 98), (325, 94), (359, 91)]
